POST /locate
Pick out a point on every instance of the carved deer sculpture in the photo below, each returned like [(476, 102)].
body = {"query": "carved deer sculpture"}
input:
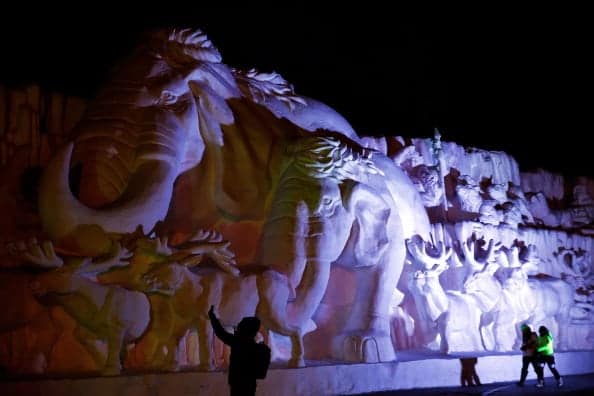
[(458, 315), (172, 296), (111, 314)]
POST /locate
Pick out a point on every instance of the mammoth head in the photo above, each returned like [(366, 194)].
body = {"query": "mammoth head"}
[(150, 123)]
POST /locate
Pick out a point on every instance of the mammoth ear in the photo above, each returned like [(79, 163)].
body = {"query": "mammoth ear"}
[(371, 218)]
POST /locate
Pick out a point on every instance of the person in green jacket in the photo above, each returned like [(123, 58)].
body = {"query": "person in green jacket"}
[(545, 354)]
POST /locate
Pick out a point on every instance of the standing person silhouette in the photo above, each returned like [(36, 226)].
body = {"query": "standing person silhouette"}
[(468, 376), (545, 354), (529, 344), (245, 353)]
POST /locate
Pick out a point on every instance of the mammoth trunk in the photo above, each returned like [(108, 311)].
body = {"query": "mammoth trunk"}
[(310, 291)]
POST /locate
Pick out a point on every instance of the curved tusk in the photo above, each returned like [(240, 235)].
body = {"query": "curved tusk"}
[(145, 201)]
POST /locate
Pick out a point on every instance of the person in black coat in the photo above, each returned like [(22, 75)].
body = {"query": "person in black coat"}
[(244, 351), (529, 344)]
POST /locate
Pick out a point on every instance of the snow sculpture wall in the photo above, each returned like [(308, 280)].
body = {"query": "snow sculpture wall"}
[(186, 183), (539, 257)]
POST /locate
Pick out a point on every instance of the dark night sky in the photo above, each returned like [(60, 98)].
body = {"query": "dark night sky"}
[(507, 79)]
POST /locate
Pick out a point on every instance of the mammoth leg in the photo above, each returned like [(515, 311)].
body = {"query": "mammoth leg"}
[(375, 253), (272, 311), (366, 336)]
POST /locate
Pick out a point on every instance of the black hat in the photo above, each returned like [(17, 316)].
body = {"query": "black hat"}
[(249, 326)]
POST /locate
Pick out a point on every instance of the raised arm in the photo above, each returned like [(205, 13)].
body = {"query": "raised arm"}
[(219, 331)]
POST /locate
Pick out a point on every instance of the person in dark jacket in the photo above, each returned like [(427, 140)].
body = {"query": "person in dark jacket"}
[(528, 348), (545, 355), (469, 376), (242, 375)]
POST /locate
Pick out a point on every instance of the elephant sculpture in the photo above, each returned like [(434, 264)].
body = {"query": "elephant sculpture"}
[(337, 205), (171, 106), (180, 139)]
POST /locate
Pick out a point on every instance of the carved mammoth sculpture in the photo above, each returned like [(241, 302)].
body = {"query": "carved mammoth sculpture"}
[(338, 204), (171, 106), (180, 137)]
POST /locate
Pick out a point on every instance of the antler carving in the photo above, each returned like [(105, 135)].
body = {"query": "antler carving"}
[(433, 259), (210, 244), (573, 261), (474, 257), (120, 257), (41, 255)]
